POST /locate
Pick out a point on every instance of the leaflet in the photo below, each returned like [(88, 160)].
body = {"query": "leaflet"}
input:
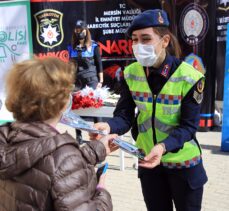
[(73, 120), (129, 148)]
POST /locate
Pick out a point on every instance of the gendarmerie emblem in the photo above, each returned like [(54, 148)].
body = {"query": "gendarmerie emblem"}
[(160, 18), (200, 86), (198, 97)]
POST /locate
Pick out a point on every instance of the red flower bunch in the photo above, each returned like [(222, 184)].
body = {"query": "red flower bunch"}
[(87, 98)]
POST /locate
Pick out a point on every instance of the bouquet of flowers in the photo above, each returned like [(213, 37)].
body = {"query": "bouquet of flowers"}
[(89, 97)]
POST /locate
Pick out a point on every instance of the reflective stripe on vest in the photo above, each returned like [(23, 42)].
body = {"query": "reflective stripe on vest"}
[(161, 98), (134, 77), (169, 99), (186, 164), (143, 127), (167, 114), (184, 78), (142, 96)]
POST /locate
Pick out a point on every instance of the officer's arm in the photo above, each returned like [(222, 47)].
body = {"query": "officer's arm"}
[(189, 121), (69, 54), (98, 64), (124, 112), (69, 48)]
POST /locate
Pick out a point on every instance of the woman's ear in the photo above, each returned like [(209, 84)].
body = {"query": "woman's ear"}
[(165, 41)]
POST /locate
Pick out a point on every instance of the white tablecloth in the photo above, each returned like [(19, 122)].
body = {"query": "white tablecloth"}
[(104, 111)]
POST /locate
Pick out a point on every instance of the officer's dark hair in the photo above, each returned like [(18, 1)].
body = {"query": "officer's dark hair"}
[(173, 48), (87, 40)]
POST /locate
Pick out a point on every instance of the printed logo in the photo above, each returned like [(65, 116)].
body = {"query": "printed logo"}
[(49, 31), (13, 40), (194, 24), (224, 4)]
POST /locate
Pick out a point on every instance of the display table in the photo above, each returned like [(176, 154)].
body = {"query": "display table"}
[(104, 111)]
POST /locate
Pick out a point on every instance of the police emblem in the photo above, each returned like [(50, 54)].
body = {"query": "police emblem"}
[(49, 31), (194, 24), (224, 7)]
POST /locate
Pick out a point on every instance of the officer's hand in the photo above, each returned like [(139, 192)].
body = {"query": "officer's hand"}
[(108, 143), (100, 126), (99, 85), (153, 159)]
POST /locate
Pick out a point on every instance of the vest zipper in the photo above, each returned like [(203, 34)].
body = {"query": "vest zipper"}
[(153, 117)]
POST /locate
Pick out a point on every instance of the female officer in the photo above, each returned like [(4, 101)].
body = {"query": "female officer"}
[(84, 53), (167, 93)]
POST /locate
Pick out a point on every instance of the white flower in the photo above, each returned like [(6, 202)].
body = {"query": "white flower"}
[(87, 91), (99, 93)]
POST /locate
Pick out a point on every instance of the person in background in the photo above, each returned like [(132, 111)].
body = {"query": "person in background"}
[(41, 168), (168, 94), (85, 54)]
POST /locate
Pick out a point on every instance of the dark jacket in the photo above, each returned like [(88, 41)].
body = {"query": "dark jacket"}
[(41, 169), (89, 65)]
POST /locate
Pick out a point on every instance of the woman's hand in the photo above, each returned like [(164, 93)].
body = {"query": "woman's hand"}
[(101, 183), (153, 159), (108, 143), (100, 126)]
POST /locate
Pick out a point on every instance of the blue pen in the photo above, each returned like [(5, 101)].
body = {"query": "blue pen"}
[(105, 168), (101, 170)]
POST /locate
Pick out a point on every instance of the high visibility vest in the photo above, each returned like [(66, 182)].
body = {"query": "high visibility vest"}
[(160, 114)]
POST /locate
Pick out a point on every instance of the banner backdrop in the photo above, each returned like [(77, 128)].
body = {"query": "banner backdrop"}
[(15, 42), (225, 129), (53, 23), (222, 19), (194, 22)]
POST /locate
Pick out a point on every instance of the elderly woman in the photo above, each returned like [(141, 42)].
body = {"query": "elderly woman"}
[(40, 168)]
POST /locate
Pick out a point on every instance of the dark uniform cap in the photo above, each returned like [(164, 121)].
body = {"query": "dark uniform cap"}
[(80, 24), (148, 18)]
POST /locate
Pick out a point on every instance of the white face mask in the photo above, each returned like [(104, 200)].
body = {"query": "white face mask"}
[(69, 107), (145, 54)]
